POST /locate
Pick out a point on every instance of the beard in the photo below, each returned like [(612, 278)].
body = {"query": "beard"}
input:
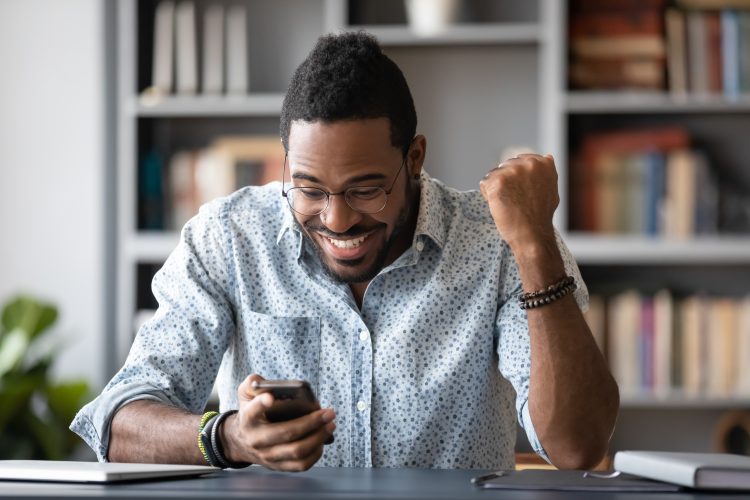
[(381, 254)]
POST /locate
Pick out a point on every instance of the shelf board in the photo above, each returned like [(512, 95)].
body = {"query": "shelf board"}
[(652, 102), (458, 34), (177, 106), (680, 401), (607, 249), (150, 246)]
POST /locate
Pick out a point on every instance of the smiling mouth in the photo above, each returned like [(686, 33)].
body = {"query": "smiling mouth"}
[(350, 243)]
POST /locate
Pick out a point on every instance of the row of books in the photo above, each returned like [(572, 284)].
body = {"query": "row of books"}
[(172, 191), (708, 52), (215, 64), (647, 181), (697, 47), (657, 344)]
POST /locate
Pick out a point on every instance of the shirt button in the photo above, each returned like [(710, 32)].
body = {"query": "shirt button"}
[(361, 405), (363, 335), (420, 246)]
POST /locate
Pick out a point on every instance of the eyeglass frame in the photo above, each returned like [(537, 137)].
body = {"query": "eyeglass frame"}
[(328, 195)]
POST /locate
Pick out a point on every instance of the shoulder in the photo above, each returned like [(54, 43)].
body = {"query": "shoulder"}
[(258, 209)]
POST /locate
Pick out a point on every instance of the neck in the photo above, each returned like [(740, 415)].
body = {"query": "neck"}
[(402, 243)]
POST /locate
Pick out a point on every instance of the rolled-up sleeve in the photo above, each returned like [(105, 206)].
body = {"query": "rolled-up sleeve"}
[(175, 355), (514, 342)]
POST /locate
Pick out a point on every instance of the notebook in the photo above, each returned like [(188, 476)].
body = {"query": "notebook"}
[(568, 480), (93, 472), (695, 470)]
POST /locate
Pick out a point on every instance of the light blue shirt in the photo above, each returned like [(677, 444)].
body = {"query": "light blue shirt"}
[(431, 372)]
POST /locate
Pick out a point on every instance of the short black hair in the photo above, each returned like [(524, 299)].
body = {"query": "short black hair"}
[(346, 76)]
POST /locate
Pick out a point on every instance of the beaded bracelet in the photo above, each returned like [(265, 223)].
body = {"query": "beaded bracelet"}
[(217, 447), (547, 295), (204, 437)]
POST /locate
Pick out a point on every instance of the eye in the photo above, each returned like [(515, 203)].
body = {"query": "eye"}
[(365, 193), (312, 194)]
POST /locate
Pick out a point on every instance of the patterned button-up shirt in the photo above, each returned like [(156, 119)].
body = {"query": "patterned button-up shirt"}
[(432, 371)]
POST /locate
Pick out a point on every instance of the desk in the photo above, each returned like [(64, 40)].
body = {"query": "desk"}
[(317, 483)]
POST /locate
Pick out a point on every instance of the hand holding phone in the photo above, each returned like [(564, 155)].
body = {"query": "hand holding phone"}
[(292, 398)]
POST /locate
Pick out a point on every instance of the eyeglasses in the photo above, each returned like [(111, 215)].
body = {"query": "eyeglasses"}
[(314, 201)]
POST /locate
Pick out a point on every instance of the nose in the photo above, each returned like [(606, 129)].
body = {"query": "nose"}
[(339, 216)]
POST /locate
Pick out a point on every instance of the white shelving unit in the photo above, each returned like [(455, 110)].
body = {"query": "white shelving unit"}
[(479, 88), (718, 263)]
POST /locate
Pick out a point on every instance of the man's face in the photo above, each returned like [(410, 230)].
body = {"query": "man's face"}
[(353, 247)]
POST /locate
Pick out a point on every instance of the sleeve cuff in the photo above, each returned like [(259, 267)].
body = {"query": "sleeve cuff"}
[(528, 426), (93, 421)]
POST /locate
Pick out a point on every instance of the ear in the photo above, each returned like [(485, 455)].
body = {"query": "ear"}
[(416, 155)]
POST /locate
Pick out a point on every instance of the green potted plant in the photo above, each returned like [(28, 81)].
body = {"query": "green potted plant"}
[(34, 410)]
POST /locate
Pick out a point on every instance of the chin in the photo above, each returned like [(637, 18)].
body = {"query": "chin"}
[(354, 271)]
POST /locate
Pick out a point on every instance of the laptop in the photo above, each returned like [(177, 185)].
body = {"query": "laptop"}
[(94, 472)]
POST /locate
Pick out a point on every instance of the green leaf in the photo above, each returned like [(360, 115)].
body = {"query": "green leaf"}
[(28, 314), (13, 347), (15, 394), (50, 438), (65, 399)]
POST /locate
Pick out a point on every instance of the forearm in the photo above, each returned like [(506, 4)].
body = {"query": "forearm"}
[(573, 399), (152, 432)]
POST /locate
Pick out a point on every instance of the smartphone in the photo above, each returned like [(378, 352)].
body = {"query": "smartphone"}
[(293, 399)]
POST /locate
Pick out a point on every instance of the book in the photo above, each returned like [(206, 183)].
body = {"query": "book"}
[(624, 323), (697, 52), (714, 4), (712, 21), (722, 331), (162, 65), (692, 321), (647, 74), (596, 320), (674, 21), (680, 200), (662, 341), (730, 59), (743, 348), (654, 191), (187, 56), (694, 470), (237, 63), (212, 76), (621, 46), (744, 50)]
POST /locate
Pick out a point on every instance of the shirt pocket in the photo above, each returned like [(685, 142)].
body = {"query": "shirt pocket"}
[(284, 348)]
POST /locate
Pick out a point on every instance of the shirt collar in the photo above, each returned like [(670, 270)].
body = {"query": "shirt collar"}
[(430, 220)]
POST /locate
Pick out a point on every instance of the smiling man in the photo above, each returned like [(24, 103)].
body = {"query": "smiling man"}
[(428, 321)]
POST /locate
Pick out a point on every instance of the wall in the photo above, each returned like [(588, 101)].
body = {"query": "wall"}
[(51, 168)]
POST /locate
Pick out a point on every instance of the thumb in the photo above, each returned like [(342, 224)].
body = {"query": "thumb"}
[(246, 391)]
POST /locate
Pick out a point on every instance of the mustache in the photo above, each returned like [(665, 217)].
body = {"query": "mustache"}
[(352, 232)]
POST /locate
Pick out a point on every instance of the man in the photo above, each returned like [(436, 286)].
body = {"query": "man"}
[(396, 297)]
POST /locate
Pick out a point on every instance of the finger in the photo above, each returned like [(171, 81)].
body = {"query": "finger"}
[(254, 410), (299, 450), (246, 391), (294, 430)]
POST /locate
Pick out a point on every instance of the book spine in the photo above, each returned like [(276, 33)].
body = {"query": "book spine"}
[(730, 53)]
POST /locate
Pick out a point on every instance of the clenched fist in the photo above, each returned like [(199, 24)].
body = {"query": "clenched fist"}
[(522, 196)]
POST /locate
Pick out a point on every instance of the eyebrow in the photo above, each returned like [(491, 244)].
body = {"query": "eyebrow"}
[(360, 178)]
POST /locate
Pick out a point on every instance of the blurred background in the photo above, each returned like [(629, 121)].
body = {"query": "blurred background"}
[(120, 118)]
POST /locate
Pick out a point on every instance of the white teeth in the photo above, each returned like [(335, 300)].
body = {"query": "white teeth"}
[(353, 243)]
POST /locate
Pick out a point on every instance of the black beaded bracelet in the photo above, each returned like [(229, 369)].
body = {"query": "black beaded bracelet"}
[(216, 445), (548, 295)]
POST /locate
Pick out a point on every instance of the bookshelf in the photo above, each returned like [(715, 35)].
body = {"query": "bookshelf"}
[(716, 264), (500, 74)]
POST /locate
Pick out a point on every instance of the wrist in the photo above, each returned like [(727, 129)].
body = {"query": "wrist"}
[(226, 435)]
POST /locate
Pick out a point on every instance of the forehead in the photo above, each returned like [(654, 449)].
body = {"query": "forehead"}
[(345, 140)]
